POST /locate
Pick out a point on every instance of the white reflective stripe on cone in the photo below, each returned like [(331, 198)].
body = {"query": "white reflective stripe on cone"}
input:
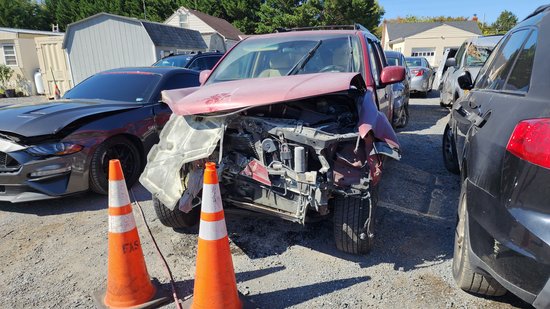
[(122, 224), (211, 198), (212, 230), (118, 194)]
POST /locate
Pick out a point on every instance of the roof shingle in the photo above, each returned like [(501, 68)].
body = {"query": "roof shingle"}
[(403, 30)]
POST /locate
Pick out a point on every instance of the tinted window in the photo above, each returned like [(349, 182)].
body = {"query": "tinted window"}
[(181, 81), (203, 63), (116, 86), (414, 62), (520, 76), (392, 61), (500, 66), (174, 61), (374, 63)]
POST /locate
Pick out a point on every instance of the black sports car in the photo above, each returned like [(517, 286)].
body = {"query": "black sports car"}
[(56, 148)]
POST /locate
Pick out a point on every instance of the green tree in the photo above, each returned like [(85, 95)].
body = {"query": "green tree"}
[(26, 14), (505, 21), (340, 12), (242, 13)]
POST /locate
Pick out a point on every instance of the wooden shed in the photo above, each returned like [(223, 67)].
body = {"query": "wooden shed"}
[(106, 41)]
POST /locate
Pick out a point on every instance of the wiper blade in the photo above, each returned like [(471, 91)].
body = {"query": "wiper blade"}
[(303, 61)]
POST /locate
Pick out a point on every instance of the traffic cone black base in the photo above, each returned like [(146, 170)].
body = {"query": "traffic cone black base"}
[(161, 297)]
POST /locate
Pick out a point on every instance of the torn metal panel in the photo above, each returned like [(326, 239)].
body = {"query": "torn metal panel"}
[(183, 140)]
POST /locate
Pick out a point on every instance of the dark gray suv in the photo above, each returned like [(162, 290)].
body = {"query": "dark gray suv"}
[(498, 139)]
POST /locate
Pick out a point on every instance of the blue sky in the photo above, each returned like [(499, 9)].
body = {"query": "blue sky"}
[(488, 8)]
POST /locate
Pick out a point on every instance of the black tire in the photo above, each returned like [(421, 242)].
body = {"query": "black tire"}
[(464, 276), (450, 158), (176, 218), (116, 147), (350, 214), (404, 116)]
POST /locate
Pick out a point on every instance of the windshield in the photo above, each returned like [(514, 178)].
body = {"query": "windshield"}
[(116, 86), (174, 61), (392, 61), (477, 55), (414, 62), (279, 56)]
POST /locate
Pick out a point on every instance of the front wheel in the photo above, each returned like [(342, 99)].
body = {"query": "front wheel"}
[(465, 277), (119, 148), (350, 224), (176, 218)]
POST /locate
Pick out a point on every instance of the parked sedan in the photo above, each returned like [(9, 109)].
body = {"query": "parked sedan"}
[(56, 148), (498, 138), (400, 91), (421, 73)]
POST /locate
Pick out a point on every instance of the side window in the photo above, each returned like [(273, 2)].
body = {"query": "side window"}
[(497, 71), (460, 54), (181, 81), (520, 77), (210, 62), (198, 64), (374, 61)]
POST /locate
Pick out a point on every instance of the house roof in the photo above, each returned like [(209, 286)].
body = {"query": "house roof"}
[(28, 31), (403, 30), (160, 34), (220, 25)]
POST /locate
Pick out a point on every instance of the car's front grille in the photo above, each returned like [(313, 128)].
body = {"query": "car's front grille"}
[(7, 163)]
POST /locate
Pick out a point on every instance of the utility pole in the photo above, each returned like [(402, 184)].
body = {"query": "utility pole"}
[(144, 10)]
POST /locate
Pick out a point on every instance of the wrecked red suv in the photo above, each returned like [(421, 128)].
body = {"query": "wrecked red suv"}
[(293, 120)]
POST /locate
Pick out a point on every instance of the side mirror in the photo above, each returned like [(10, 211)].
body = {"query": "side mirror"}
[(203, 76), (465, 81), (392, 75), (451, 62)]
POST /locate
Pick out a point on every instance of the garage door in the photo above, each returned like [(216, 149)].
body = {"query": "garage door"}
[(428, 53)]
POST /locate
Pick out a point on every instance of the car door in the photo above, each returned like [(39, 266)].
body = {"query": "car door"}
[(377, 62), (489, 113), (161, 110), (447, 93)]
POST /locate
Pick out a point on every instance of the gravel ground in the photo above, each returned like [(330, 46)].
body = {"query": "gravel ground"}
[(31, 99), (54, 253)]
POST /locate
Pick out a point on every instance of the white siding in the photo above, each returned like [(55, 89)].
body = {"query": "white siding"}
[(438, 38), (104, 43), (193, 23)]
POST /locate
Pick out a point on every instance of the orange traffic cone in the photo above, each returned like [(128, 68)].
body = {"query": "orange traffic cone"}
[(128, 283), (215, 284)]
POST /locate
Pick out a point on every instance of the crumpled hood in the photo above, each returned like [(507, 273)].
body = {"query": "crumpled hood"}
[(50, 117), (254, 92)]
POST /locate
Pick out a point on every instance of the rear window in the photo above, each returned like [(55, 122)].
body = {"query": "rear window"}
[(477, 55), (414, 62), (174, 61), (392, 61), (116, 86)]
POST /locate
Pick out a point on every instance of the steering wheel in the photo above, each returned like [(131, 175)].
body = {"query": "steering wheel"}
[(333, 68)]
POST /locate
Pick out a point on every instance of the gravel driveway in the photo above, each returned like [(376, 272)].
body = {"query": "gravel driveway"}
[(54, 253)]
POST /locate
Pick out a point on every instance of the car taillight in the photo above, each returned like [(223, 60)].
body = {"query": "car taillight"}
[(530, 141), (417, 72)]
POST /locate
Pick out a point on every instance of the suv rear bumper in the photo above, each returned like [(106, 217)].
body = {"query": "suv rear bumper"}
[(506, 249)]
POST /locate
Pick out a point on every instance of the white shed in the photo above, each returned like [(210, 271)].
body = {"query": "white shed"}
[(106, 41), (218, 33)]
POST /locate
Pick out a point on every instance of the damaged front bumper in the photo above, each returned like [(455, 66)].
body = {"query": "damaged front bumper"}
[(24, 178)]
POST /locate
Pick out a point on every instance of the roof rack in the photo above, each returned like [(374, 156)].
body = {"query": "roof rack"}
[(328, 27), (539, 10)]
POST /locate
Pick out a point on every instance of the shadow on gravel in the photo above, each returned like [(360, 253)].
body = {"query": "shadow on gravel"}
[(80, 202), (253, 274), (297, 295)]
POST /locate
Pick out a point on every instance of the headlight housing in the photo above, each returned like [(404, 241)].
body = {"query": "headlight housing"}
[(54, 149)]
